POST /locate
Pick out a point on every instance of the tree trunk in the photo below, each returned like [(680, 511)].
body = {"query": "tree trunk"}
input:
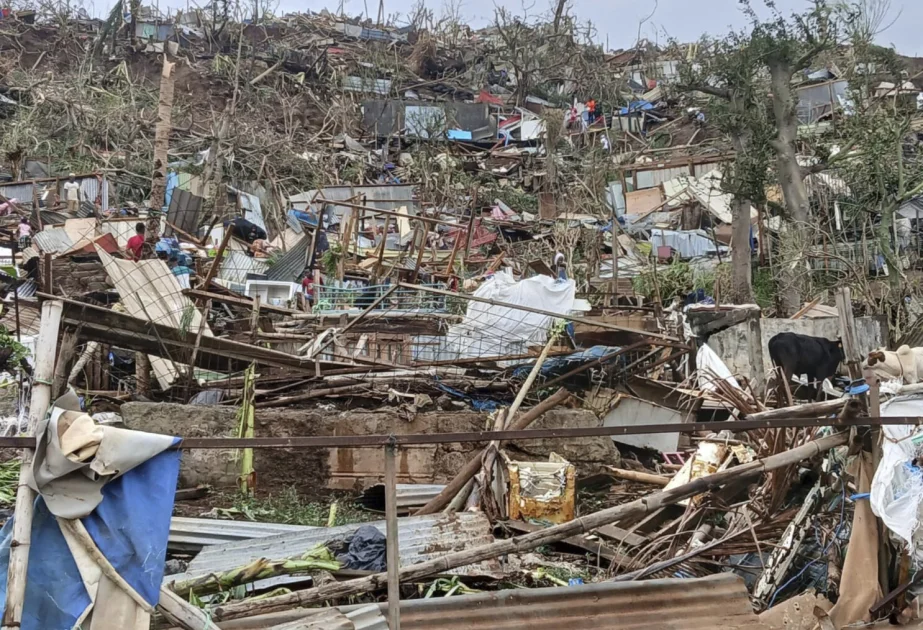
[(888, 246), (784, 109), (792, 183), (741, 270)]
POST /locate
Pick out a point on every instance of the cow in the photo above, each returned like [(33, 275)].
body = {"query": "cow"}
[(816, 357)]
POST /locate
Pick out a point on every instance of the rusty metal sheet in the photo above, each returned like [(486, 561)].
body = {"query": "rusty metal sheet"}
[(719, 601)]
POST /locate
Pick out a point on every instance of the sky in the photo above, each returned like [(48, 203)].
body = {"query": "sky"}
[(618, 21)]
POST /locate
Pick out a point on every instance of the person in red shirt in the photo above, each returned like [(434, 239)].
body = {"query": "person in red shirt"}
[(136, 243)]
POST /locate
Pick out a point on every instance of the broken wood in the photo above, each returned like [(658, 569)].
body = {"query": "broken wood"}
[(392, 551), (527, 542), (632, 475), (474, 463), (21, 542), (216, 264)]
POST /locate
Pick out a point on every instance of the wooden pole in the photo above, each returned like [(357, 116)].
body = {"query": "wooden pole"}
[(393, 551), (182, 613), (213, 270), (633, 475), (421, 249), (25, 497), (520, 544), (474, 463)]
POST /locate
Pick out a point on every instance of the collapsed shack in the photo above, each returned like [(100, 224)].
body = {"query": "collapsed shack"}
[(441, 310)]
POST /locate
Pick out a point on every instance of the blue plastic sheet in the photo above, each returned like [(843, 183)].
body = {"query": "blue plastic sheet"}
[(479, 404), (554, 366), (131, 527)]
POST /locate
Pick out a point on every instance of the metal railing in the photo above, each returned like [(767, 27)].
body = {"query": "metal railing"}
[(332, 298)]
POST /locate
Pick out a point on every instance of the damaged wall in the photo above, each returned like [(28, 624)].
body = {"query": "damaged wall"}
[(350, 468), (73, 277), (731, 344)]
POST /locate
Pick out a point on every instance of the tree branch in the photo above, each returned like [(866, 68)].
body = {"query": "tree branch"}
[(707, 89)]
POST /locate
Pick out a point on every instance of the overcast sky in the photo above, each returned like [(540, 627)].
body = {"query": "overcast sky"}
[(618, 20)]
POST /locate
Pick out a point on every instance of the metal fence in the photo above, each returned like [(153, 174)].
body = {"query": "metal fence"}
[(329, 299)]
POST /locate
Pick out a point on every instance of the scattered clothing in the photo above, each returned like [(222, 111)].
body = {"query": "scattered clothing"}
[(367, 551)]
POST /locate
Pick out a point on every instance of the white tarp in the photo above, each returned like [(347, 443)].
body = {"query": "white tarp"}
[(897, 488), (689, 243), (490, 330), (711, 368)]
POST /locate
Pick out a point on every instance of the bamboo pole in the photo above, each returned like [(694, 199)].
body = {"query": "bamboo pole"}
[(213, 270), (393, 551), (25, 497), (521, 544)]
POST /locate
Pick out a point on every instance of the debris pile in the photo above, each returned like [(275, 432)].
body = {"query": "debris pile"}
[(475, 297)]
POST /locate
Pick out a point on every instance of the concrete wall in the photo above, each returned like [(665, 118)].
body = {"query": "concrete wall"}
[(348, 468), (731, 344)]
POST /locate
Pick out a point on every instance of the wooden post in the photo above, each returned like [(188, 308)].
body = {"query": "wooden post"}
[(255, 319), (213, 270), (393, 551), (848, 336), (421, 249), (142, 374), (25, 497)]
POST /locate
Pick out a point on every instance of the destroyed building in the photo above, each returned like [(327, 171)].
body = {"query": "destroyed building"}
[(328, 322)]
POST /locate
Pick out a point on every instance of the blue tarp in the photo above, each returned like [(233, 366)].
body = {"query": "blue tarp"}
[(131, 527), (636, 106), (554, 366), (480, 404)]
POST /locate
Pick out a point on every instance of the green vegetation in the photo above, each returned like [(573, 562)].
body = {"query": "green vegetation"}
[(287, 506), (9, 479)]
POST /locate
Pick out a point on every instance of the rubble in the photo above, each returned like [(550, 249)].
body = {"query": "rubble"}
[(514, 291)]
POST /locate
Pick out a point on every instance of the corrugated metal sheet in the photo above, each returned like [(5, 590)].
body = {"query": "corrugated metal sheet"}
[(22, 192), (253, 210), (719, 601), (236, 265), (195, 533), (292, 263), (54, 218), (409, 495), (421, 538), (52, 240), (184, 212), (389, 197)]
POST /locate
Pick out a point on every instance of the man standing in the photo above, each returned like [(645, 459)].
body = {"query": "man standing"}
[(136, 243), (72, 194)]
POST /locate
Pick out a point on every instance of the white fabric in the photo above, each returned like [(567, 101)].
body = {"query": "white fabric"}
[(710, 368), (897, 490), (689, 243), (75, 457), (489, 330)]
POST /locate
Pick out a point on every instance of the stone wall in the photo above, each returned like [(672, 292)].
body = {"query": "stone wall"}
[(350, 468), (70, 277)]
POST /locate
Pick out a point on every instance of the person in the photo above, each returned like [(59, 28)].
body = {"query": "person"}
[(591, 110), (307, 286), (25, 233), (72, 193), (136, 243)]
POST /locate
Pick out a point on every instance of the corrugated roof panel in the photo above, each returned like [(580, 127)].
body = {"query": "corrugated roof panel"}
[(20, 192), (292, 263), (390, 197), (253, 211), (52, 240), (236, 265), (719, 601), (420, 538), (195, 533)]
